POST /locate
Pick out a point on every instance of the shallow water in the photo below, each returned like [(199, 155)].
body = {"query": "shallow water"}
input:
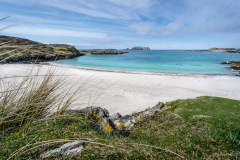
[(158, 62)]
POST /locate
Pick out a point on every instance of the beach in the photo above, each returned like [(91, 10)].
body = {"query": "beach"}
[(127, 93)]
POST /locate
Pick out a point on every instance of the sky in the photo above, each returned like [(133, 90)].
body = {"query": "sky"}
[(119, 24)]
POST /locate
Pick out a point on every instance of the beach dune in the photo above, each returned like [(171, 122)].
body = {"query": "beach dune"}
[(127, 93)]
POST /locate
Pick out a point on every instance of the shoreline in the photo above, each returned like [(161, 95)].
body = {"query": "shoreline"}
[(127, 93), (132, 72)]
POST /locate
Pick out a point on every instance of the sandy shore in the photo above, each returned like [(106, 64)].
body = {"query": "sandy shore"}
[(126, 93)]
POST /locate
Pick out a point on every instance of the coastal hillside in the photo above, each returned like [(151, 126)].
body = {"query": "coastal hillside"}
[(20, 50)]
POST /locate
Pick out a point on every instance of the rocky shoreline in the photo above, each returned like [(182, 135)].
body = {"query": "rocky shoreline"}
[(235, 65), (225, 50)]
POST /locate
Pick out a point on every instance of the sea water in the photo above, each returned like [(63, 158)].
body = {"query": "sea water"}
[(158, 62)]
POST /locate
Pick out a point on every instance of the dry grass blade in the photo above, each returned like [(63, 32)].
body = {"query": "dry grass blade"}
[(34, 98), (12, 55), (158, 148), (5, 18), (44, 143), (8, 52), (4, 43)]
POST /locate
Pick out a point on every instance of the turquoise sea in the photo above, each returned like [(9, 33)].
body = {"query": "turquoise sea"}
[(158, 62)]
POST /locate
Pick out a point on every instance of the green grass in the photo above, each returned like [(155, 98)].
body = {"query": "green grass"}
[(162, 136), (222, 108)]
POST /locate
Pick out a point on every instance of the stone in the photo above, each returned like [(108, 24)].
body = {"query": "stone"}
[(115, 116), (198, 116), (115, 125), (67, 149), (127, 122)]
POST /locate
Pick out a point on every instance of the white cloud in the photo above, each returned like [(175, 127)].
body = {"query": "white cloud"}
[(109, 9), (141, 28), (53, 32), (80, 44), (172, 28)]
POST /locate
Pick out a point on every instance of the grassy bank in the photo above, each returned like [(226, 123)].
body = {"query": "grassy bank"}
[(221, 108), (163, 136)]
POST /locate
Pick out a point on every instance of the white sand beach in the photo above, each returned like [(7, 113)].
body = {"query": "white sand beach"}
[(126, 93)]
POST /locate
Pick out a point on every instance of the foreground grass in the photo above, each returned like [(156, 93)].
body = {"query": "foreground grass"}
[(222, 108), (163, 136)]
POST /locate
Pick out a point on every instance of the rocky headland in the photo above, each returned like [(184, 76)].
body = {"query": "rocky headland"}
[(20, 50), (235, 65), (226, 50)]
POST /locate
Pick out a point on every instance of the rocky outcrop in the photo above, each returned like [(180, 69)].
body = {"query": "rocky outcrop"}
[(235, 65), (20, 50), (116, 125), (140, 48)]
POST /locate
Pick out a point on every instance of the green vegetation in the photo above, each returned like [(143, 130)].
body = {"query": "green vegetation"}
[(221, 108), (162, 136)]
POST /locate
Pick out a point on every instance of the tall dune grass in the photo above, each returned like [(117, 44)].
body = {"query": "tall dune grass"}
[(33, 97)]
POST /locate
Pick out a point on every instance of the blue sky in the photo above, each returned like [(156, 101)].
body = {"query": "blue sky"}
[(158, 24)]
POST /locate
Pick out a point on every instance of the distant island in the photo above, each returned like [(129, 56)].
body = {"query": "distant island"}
[(226, 50), (138, 48), (101, 52)]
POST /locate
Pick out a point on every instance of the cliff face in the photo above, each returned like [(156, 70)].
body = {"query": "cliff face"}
[(26, 51), (140, 48)]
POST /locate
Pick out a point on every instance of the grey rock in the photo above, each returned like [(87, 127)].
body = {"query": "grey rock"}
[(66, 149), (115, 116), (73, 151), (198, 116), (127, 122)]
